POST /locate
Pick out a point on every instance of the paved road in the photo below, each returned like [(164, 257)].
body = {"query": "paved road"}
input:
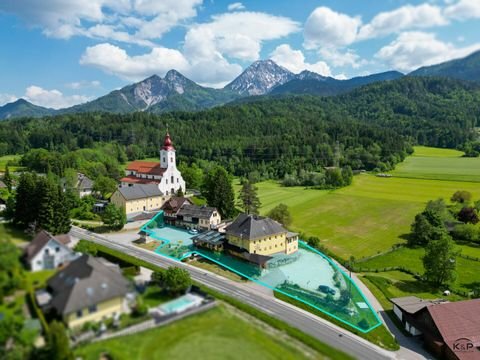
[(303, 320)]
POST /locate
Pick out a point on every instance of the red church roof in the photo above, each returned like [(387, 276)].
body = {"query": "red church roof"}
[(167, 143), (146, 167)]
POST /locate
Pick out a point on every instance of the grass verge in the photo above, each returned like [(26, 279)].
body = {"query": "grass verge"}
[(379, 336)]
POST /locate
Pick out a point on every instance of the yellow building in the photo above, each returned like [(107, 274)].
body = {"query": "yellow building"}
[(87, 290), (260, 236), (138, 198)]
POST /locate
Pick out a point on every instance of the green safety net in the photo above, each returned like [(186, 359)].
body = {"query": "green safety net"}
[(307, 276)]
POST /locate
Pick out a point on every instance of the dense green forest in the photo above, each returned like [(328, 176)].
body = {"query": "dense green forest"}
[(370, 128)]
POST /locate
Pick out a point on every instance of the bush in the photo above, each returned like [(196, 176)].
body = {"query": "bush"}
[(466, 232)]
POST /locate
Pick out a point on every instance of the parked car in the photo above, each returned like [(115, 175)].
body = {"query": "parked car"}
[(193, 231), (327, 289)]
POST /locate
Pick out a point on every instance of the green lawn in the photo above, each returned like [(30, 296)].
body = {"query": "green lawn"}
[(439, 164), (6, 158), (10, 233), (363, 219), (216, 334)]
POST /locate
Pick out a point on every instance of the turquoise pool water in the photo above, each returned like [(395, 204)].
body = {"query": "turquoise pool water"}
[(178, 305)]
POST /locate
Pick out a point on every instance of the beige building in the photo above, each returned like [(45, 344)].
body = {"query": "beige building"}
[(138, 198), (261, 236), (198, 217), (87, 290)]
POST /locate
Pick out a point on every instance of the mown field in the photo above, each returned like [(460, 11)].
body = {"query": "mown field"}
[(364, 219), (375, 213), (216, 334), (439, 164)]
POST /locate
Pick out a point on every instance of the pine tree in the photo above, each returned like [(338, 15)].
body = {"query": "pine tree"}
[(7, 179), (62, 213), (26, 206), (248, 198), (48, 202), (218, 191)]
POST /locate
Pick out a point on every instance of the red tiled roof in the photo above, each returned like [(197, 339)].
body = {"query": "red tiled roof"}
[(457, 320), (134, 180), (146, 167)]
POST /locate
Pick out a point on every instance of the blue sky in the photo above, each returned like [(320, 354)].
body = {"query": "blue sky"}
[(57, 53)]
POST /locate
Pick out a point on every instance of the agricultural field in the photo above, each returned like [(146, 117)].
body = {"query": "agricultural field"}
[(216, 334), (439, 164), (375, 213), (363, 219)]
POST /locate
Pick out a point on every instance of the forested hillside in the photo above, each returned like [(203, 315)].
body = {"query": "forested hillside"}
[(374, 127)]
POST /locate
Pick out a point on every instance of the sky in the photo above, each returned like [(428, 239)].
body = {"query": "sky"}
[(57, 53)]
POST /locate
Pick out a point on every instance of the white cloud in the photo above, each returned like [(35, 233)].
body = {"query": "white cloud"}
[(405, 17), (294, 60), (342, 58), (115, 60), (130, 21), (236, 6), (411, 50), (463, 9), (52, 98), (83, 84), (238, 35), (327, 28), (7, 98)]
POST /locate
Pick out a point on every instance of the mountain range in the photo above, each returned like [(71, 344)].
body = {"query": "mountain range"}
[(264, 77)]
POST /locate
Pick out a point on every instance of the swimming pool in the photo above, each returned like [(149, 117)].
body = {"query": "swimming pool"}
[(180, 304)]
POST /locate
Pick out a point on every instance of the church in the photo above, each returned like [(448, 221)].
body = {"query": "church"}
[(164, 173)]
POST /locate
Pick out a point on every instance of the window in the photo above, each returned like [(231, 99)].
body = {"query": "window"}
[(166, 180), (171, 159), (163, 159), (47, 251), (57, 249), (173, 180), (79, 313), (92, 309), (178, 180)]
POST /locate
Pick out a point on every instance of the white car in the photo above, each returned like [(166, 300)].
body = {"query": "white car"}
[(193, 231)]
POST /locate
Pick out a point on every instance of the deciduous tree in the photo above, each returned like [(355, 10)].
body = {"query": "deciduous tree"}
[(440, 261)]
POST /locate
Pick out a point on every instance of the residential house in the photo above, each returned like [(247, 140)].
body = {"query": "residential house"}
[(83, 185), (163, 173), (198, 217), (450, 330), (261, 235), (138, 198), (89, 289), (46, 251), (170, 208)]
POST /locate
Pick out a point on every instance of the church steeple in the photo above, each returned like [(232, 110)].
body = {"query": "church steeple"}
[(167, 143), (167, 153)]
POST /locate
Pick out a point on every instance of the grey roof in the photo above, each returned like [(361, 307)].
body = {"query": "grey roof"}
[(85, 282), (201, 212), (211, 237), (84, 183), (42, 239), (140, 191), (413, 304), (253, 227)]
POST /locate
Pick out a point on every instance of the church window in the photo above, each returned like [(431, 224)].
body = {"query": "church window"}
[(163, 159), (171, 159), (172, 179)]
